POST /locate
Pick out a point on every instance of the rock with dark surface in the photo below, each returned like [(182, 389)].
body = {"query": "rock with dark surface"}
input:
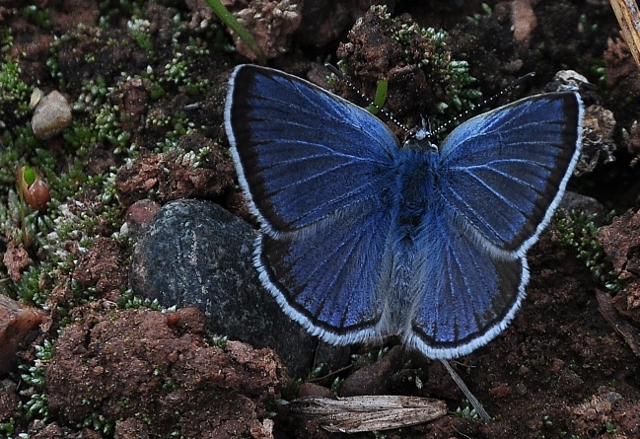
[(196, 254)]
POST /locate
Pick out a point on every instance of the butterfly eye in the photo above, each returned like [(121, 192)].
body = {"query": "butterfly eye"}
[(422, 133)]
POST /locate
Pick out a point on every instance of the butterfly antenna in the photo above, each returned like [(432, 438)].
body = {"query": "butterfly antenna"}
[(483, 103), (333, 69)]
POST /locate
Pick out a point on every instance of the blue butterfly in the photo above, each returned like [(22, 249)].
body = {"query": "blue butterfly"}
[(362, 238)]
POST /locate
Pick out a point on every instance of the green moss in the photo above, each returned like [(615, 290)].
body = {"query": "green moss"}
[(139, 31), (101, 122), (436, 61), (127, 300), (178, 125), (111, 10), (452, 87), (178, 71), (96, 421), (466, 411), (578, 230), (8, 427), (14, 92), (33, 375)]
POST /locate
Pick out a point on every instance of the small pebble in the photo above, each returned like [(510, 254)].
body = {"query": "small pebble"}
[(373, 379), (138, 217), (36, 96), (569, 381), (16, 320), (51, 116)]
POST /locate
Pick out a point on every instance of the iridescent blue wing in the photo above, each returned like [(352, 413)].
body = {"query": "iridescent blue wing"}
[(317, 172), (505, 171), (469, 292), (500, 176), (306, 152)]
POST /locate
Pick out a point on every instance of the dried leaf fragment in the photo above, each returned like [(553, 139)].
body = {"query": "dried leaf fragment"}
[(368, 413)]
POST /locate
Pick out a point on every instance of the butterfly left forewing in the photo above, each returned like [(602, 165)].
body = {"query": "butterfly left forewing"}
[(301, 152), (318, 173)]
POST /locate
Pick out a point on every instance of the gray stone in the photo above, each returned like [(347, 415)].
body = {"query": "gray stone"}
[(51, 116), (196, 253)]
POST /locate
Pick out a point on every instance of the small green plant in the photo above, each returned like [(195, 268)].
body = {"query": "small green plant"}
[(380, 98), (170, 385), (466, 411), (40, 17), (359, 361), (477, 18), (336, 385), (217, 340), (230, 21)]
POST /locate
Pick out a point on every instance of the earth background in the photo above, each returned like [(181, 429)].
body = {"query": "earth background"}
[(86, 356)]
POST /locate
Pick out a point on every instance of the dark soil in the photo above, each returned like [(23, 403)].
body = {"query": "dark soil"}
[(567, 367)]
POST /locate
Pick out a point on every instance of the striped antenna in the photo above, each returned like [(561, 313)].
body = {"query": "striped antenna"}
[(474, 107), (333, 69), (425, 131)]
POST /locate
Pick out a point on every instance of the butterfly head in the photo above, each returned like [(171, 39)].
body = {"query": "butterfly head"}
[(423, 139)]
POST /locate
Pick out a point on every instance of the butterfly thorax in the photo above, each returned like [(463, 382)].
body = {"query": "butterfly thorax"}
[(418, 184)]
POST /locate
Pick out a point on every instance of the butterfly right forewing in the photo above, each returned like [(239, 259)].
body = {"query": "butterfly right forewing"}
[(499, 178), (505, 171)]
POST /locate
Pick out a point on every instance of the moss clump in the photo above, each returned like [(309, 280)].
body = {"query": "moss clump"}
[(14, 92), (427, 49), (424, 77), (33, 376), (578, 230)]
